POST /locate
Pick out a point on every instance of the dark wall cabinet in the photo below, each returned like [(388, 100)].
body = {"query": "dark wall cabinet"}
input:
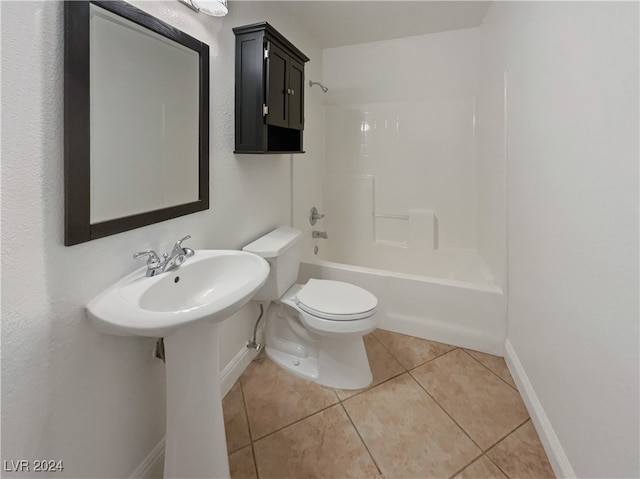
[(269, 91)]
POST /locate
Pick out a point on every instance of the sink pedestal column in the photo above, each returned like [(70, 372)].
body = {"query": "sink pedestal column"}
[(195, 440)]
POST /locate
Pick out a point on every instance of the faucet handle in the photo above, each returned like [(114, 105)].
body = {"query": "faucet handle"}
[(314, 216), (178, 246), (179, 242), (153, 257), (178, 249)]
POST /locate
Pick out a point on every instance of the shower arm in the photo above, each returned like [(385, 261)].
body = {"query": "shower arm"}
[(324, 88)]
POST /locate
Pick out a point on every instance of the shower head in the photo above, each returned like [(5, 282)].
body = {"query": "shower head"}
[(324, 88)]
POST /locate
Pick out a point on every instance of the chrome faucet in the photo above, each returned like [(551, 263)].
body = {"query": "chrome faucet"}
[(156, 265), (319, 234)]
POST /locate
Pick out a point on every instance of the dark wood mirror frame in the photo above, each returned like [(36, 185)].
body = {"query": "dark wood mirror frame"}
[(77, 131)]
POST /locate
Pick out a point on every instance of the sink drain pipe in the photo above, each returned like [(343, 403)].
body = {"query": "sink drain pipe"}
[(253, 342), (158, 350)]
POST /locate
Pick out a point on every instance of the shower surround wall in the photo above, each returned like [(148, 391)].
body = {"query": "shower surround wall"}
[(400, 190), (400, 172)]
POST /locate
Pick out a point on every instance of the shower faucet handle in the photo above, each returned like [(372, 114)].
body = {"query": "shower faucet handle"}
[(314, 216)]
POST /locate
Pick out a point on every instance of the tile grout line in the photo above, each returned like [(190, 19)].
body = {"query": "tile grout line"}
[(509, 433), (429, 395), (251, 433), (246, 413), (373, 334), (473, 461), (418, 365), (246, 416), (297, 421), (502, 438), (499, 468), (454, 348), (462, 349), (476, 460), (440, 355), (395, 375), (408, 371), (339, 402), (491, 370), (246, 410), (369, 388), (389, 351), (449, 415), (375, 463)]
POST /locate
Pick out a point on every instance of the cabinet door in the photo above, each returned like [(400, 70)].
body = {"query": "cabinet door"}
[(277, 84), (296, 95), (249, 97)]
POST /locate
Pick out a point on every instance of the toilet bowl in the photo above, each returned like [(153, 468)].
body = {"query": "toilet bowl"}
[(315, 329)]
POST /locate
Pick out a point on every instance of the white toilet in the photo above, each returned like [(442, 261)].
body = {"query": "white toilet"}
[(313, 330)]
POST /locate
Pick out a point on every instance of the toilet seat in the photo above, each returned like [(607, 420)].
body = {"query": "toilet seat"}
[(336, 300), (366, 322)]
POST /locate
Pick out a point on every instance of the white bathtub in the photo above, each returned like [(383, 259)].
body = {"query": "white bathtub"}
[(468, 312)]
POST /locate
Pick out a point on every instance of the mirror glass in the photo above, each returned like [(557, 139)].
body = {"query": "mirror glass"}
[(144, 119), (142, 88)]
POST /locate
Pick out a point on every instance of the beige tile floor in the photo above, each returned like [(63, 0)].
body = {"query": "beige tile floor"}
[(433, 411)]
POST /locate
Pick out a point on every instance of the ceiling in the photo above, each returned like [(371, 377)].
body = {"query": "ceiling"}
[(337, 23)]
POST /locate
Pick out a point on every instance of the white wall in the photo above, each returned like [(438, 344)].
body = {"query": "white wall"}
[(308, 169), (405, 69), (572, 235), (401, 113), (68, 392)]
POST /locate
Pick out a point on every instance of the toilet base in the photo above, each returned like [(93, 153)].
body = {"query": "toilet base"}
[(339, 362), (342, 364)]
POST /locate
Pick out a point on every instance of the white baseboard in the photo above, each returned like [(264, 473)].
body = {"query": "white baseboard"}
[(232, 371), (152, 465), (557, 457)]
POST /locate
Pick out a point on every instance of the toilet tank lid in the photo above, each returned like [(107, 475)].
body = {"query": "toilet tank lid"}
[(273, 244)]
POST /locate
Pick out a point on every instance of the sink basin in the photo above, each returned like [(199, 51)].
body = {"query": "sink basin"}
[(211, 285)]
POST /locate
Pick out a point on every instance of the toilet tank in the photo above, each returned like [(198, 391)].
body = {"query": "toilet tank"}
[(281, 248)]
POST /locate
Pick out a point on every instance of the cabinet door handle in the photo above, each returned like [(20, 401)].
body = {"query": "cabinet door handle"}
[(293, 92)]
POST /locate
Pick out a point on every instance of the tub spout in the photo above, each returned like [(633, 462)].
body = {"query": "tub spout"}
[(319, 234)]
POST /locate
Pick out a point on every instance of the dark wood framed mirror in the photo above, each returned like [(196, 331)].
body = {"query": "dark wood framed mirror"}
[(136, 120)]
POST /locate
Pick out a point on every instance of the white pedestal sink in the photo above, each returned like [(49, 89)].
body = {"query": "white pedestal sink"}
[(195, 443), (185, 307)]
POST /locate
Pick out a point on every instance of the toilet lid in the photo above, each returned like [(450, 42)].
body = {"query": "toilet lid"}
[(336, 300)]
